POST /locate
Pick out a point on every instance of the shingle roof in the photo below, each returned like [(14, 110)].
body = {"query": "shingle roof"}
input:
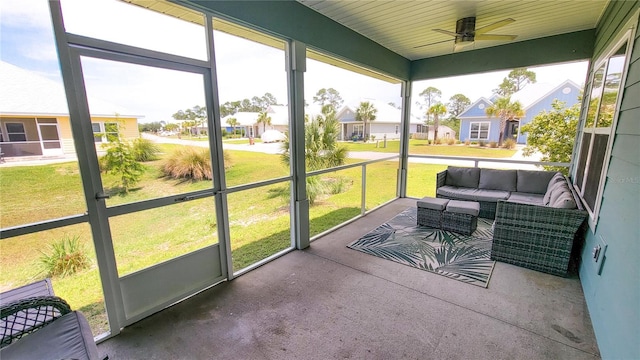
[(25, 93)]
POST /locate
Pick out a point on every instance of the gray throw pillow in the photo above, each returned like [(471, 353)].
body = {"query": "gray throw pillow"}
[(531, 181), (463, 177), (504, 180), (564, 201)]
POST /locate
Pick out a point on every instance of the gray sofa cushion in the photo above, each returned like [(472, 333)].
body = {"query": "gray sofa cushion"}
[(462, 177), (432, 203), (531, 181), (563, 199), (464, 207), (555, 183), (526, 198), (68, 337), (463, 193), (491, 179)]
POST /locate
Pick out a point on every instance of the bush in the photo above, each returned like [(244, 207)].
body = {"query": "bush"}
[(481, 143), (438, 141), (145, 150), (337, 185), (120, 160), (493, 144), (67, 257), (189, 163), (467, 142), (451, 141), (509, 144)]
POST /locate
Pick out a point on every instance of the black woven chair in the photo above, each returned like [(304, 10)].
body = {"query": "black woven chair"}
[(25, 316)]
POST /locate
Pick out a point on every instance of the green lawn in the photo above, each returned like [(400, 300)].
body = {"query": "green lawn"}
[(421, 147), (259, 219)]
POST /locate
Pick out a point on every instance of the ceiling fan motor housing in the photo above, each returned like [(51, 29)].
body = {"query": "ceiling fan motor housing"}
[(465, 29)]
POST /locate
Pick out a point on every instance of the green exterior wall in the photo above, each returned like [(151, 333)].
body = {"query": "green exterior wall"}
[(553, 49), (613, 298), (296, 21)]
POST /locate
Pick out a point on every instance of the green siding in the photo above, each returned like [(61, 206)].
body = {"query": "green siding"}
[(552, 49), (295, 21), (613, 297)]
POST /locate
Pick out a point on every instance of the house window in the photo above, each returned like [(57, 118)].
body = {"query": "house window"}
[(105, 132), (15, 132), (358, 130), (599, 126), (479, 131)]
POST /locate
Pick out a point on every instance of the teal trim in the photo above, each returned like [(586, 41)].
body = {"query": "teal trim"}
[(553, 49), (297, 22), (613, 297)]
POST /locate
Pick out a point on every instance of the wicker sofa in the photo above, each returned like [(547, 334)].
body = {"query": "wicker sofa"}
[(538, 216), (35, 324)]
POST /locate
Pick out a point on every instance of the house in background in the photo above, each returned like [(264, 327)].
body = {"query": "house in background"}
[(34, 118), (475, 125), (387, 122)]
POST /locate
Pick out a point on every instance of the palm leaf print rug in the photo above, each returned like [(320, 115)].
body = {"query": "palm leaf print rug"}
[(465, 258)]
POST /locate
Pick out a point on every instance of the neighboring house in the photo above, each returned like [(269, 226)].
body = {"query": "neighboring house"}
[(427, 132), (475, 125), (279, 114), (387, 122), (34, 118), (246, 123)]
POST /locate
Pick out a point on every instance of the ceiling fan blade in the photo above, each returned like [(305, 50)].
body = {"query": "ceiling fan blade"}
[(494, 26), (495, 37), (446, 32), (461, 45), (437, 42)]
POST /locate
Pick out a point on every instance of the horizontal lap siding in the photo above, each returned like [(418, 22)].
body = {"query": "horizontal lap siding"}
[(613, 296)]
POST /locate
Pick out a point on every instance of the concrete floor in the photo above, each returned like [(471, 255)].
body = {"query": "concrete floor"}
[(331, 302)]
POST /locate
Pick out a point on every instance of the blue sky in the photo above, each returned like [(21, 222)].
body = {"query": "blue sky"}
[(244, 68)]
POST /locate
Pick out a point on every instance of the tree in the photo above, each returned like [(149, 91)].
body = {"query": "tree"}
[(430, 95), (196, 116), (515, 81), (436, 110), (552, 134), (233, 122), (366, 112), (264, 120), (150, 127), (505, 110), (321, 150), (457, 104), (330, 97)]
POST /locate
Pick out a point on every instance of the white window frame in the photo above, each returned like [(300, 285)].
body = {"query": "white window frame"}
[(623, 37), (102, 136), (358, 129), (479, 131)]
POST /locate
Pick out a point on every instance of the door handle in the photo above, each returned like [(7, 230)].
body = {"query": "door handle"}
[(102, 195)]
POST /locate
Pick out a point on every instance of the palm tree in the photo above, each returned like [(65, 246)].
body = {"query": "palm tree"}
[(233, 122), (505, 110), (366, 112), (436, 110), (264, 120)]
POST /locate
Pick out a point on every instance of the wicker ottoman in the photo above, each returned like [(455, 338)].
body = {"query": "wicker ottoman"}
[(430, 211), (461, 216)]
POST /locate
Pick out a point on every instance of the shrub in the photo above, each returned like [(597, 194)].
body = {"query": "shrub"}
[(451, 141), (67, 257), (438, 141), (481, 143), (467, 142), (493, 144), (337, 185), (509, 144), (189, 163), (145, 150), (120, 160)]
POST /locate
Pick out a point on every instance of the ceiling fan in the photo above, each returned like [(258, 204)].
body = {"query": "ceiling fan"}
[(466, 32)]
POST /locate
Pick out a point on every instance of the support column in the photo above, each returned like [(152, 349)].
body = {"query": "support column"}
[(404, 139), (296, 67)]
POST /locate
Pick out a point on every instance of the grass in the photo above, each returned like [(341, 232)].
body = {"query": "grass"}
[(421, 147), (259, 219)]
